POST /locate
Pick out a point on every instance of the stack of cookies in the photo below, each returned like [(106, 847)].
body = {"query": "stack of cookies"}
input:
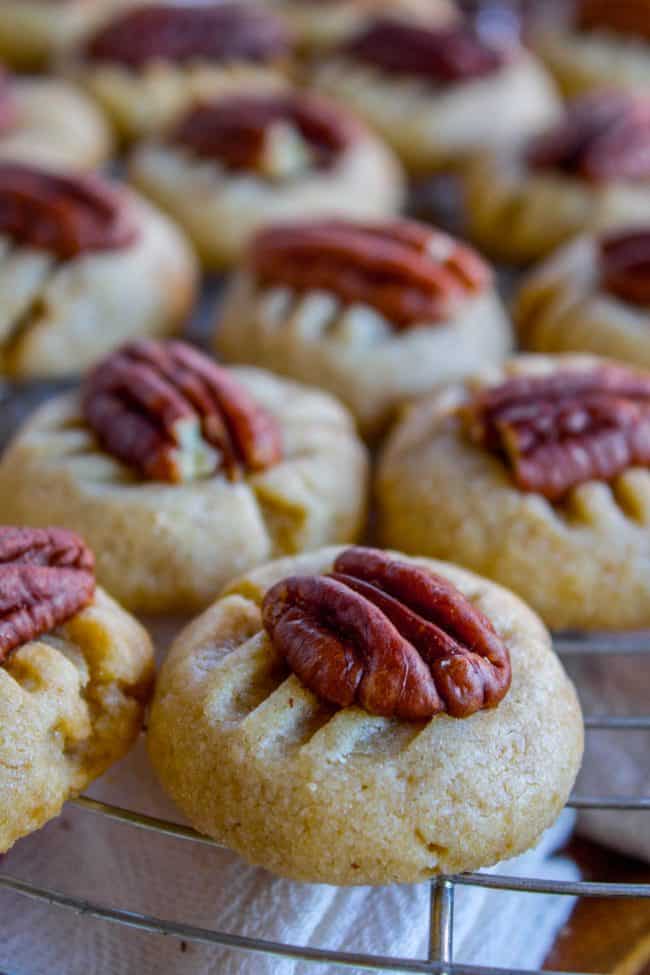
[(345, 708)]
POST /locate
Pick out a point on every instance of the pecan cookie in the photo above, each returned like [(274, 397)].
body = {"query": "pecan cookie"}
[(240, 161), (84, 265), (605, 44), (75, 675), (32, 32), (591, 171), (437, 94), (182, 473), (50, 123), (593, 295), (148, 65), (537, 476), (361, 717), (321, 24), (375, 313)]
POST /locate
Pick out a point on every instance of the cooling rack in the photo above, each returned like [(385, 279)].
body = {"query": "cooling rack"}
[(440, 960)]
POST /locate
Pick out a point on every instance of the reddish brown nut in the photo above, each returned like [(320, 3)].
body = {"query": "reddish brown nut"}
[(46, 577), (622, 16), (408, 272), (390, 636), (171, 413), (625, 265), (65, 215), (604, 136), (216, 31), (440, 55), (235, 130), (559, 431)]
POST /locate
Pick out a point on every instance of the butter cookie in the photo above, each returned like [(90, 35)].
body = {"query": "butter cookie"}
[(362, 717), (182, 474), (75, 676), (535, 475), (376, 313)]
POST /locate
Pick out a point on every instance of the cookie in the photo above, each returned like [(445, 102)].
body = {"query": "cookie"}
[(604, 45), (149, 64), (374, 313), (75, 675), (84, 265), (439, 94), (535, 475), (318, 26), (238, 162), (33, 32), (336, 728), (183, 474), (589, 172), (48, 122), (590, 296)]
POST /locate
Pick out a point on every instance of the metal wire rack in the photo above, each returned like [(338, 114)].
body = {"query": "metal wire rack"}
[(440, 960)]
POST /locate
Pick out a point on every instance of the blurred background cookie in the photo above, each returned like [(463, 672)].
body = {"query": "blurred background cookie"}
[(148, 64), (589, 171), (438, 93), (238, 162), (375, 313), (48, 122), (84, 264), (601, 44), (593, 295), (33, 32)]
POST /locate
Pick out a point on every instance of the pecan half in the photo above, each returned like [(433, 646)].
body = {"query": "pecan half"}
[(625, 265), (171, 32), (559, 431), (171, 413), (604, 136), (390, 636), (46, 577), (440, 55), (622, 16), (409, 272), (65, 215), (238, 132)]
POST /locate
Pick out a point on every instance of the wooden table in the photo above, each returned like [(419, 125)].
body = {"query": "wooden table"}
[(605, 935)]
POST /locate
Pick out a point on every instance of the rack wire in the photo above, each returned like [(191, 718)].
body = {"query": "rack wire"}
[(440, 960)]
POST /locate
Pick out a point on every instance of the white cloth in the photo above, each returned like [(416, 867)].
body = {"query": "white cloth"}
[(616, 762), (120, 866)]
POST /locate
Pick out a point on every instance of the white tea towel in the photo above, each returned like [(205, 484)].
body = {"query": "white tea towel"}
[(616, 762), (120, 866)]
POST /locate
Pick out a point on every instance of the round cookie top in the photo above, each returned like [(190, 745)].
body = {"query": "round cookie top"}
[(437, 55), (604, 136), (172, 414), (64, 215), (277, 136), (350, 796), (217, 32), (411, 273)]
